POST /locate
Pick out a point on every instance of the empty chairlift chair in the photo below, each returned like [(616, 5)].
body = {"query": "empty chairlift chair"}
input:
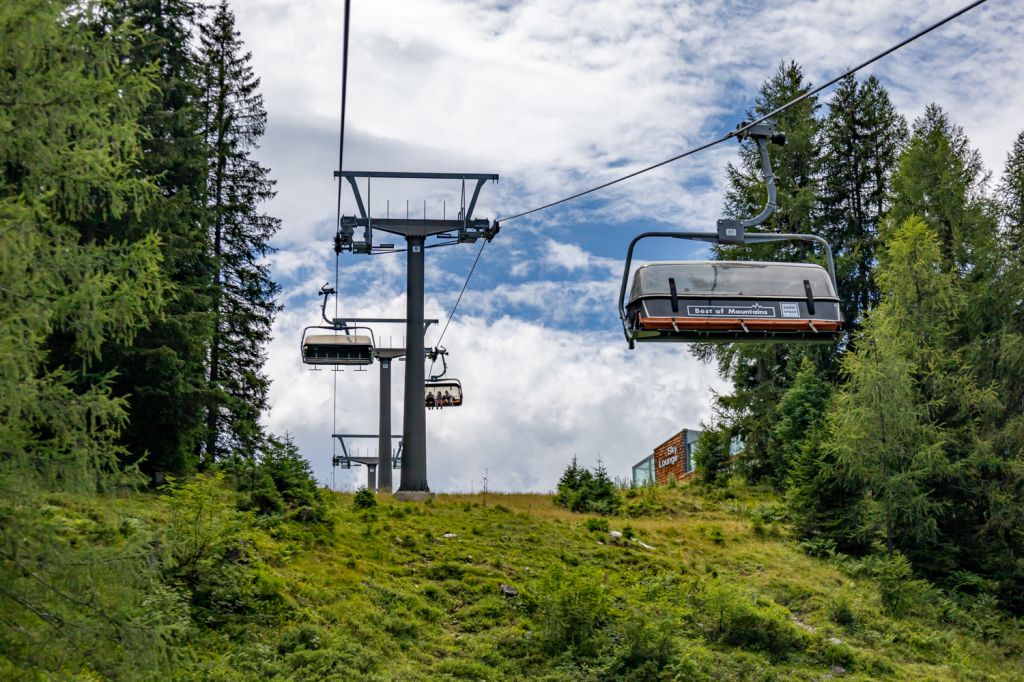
[(733, 301), (337, 348), (709, 301)]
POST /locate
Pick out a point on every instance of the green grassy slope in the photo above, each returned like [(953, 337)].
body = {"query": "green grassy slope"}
[(414, 592), (707, 588)]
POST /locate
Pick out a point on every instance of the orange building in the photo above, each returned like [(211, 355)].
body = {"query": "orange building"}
[(672, 458)]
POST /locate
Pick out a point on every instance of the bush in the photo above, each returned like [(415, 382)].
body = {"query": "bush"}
[(597, 525), (758, 624), (278, 481), (364, 499), (572, 611), (711, 455), (840, 610), (642, 647), (899, 591)]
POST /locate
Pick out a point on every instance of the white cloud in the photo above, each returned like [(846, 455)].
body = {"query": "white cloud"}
[(534, 397), (566, 256)]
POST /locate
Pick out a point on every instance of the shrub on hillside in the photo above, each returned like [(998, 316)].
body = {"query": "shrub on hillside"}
[(278, 481), (364, 499), (212, 553), (573, 610), (583, 490), (759, 624)]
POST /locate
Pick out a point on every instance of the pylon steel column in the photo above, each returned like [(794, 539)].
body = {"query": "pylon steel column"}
[(384, 433), (462, 229), (414, 454)]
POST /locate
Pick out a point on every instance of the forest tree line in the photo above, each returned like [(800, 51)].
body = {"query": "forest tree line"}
[(135, 306), (136, 292), (907, 437)]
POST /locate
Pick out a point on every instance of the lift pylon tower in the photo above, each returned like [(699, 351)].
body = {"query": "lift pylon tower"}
[(462, 229), (385, 356)]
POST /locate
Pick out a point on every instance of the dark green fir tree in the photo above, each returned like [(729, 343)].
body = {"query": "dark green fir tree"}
[(244, 296), (862, 136), (163, 372)]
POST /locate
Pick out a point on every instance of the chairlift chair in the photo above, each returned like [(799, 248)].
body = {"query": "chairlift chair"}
[(345, 348), (336, 349), (709, 301), (441, 392), (733, 301)]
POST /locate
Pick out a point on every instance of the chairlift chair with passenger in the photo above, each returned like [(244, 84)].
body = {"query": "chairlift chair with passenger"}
[(733, 301), (441, 392)]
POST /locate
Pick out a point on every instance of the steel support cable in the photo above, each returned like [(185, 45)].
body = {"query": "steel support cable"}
[(779, 110), (337, 220)]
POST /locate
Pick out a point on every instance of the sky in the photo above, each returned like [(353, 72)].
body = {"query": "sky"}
[(554, 96)]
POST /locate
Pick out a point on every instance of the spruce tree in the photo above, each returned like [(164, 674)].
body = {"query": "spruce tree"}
[(822, 502), (990, 499), (802, 411), (162, 373), (243, 294), (862, 136), (941, 179)]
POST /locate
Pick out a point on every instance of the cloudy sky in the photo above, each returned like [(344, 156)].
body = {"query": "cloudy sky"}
[(555, 96)]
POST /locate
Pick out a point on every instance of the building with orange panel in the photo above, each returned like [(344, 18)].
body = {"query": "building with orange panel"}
[(672, 458)]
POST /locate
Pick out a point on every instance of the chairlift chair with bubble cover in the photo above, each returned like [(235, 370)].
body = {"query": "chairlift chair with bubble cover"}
[(441, 392), (350, 347), (733, 301)]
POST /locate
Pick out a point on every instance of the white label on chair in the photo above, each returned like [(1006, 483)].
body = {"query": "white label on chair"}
[(790, 309)]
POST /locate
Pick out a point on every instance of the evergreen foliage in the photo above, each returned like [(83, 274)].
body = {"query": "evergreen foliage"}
[(583, 490), (711, 455), (244, 303), (861, 139), (759, 373), (364, 499), (69, 145), (884, 428), (162, 372), (277, 481), (940, 179)]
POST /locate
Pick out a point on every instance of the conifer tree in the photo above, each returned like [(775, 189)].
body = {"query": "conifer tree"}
[(822, 503), (162, 372), (990, 496), (862, 136), (711, 454), (883, 430), (69, 150), (802, 411), (1011, 194), (941, 179), (243, 294)]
